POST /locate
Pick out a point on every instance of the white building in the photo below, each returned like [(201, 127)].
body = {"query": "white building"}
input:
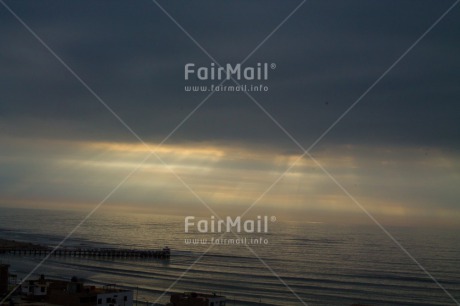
[(115, 298), (38, 287)]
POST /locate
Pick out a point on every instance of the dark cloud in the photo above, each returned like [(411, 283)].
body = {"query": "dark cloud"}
[(327, 55)]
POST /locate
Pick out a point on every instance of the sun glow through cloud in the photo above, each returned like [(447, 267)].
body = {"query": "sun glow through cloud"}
[(232, 178)]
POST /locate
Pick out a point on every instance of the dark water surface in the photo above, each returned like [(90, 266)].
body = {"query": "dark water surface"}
[(320, 264)]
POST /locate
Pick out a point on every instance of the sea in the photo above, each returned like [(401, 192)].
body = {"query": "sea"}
[(293, 263)]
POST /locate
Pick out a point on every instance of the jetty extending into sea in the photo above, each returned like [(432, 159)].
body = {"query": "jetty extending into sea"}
[(21, 248)]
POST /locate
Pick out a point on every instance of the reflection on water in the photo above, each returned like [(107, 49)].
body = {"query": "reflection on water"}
[(323, 264)]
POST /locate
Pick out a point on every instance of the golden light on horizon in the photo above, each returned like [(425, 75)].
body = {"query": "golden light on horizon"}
[(233, 177)]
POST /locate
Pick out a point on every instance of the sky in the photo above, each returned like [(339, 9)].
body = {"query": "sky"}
[(82, 113)]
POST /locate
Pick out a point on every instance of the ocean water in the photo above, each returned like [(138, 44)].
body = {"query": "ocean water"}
[(301, 264)]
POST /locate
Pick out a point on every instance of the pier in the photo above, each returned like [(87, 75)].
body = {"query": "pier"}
[(103, 253), (37, 250)]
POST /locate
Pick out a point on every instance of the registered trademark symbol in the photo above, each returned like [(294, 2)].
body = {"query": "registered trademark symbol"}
[(273, 66), (273, 218)]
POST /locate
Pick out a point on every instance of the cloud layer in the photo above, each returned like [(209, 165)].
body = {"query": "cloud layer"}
[(397, 150)]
